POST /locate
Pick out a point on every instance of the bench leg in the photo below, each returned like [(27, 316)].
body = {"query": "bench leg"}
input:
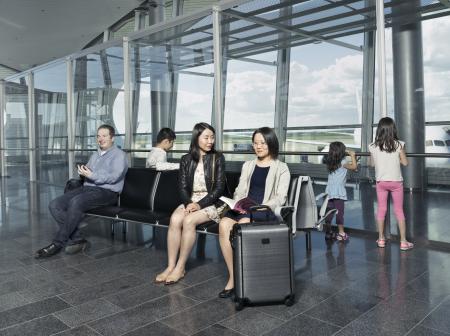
[(112, 228), (124, 228), (308, 240), (201, 244)]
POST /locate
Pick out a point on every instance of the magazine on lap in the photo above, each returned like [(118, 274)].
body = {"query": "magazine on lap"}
[(243, 205)]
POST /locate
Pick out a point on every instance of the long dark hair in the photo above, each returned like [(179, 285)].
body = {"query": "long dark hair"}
[(271, 140), (335, 155), (386, 137), (194, 148)]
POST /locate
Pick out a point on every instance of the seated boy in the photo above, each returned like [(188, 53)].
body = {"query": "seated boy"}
[(157, 158)]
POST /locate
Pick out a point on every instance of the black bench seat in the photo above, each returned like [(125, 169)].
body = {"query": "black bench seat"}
[(150, 197)]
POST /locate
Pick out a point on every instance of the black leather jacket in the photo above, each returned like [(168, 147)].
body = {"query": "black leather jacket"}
[(186, 178)]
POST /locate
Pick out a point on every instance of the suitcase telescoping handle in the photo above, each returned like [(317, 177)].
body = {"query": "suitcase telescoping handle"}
[(255, 208)]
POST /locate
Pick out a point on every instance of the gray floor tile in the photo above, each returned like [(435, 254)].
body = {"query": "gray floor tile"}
[(201, 316), (206, 290), (31, 311), (430, 286), (217, 330), (343, 307), (37, 293), (136, 317), (14, 285), (79, 331), (138, 295), (102, 275), (358, 328), (307, 295), (43, 326), (79, 296), (12, 300), (196, 274), (86, 312), (304, 326), (398, 314), (439, 318), (251, 322), (67, 261), (422, 331), (155, 328)]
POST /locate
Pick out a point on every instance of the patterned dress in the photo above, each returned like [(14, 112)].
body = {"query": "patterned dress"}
[(199, 191)]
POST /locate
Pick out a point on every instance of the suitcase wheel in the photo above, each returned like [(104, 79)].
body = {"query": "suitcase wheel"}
[(239, 305), (290, 300)]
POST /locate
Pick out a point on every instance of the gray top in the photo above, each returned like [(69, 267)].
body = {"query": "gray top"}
[(108, 169)]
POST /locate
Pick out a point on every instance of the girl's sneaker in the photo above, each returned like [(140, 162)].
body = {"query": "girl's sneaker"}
[(406, 245), (342, 236)]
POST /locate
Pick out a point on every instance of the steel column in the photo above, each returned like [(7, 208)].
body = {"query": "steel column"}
[(282, 83), (129, 127), (70, 118), (381, 59), (32, 146), (217, 119), (2, 128), (409, 88)]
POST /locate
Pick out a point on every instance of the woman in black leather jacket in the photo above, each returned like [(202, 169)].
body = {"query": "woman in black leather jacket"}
[(201, 183)]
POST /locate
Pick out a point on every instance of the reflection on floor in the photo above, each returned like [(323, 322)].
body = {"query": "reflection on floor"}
[(341, 289)]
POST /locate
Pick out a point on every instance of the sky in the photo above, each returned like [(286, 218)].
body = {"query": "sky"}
[(325, 81)]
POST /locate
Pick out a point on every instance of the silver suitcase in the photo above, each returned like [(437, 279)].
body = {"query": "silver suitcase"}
[(263, 263)]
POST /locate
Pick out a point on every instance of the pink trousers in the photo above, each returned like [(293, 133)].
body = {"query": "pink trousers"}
[(396, 189)]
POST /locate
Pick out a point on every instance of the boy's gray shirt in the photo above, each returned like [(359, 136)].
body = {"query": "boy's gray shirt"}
[(108, 170)]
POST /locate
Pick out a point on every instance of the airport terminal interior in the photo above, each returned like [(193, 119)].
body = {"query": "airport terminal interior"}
[(315, 71)]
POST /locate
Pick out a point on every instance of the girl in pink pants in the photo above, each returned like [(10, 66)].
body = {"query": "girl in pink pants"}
[(387, 154)]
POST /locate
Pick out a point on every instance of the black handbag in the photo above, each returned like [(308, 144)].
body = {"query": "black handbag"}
[(72, 184)]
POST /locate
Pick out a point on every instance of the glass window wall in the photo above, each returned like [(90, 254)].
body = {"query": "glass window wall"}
[(50, 91), (98, 98), (16, 127)]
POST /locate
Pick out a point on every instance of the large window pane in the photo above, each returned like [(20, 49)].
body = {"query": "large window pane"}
[(172, 81), (16, 127), (50, 90), (98, 97)]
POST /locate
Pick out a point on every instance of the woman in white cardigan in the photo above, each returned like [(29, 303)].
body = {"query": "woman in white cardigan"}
[(265, 181)]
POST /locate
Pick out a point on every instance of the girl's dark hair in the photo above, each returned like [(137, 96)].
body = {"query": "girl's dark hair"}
[(335, 155), (194, 148), (271, 140), (386, 137)]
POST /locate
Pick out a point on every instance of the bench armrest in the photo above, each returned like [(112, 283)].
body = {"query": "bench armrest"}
[(284, 214), (320, 196)]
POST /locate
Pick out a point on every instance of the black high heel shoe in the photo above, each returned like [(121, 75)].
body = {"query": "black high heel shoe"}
[(226, 293)]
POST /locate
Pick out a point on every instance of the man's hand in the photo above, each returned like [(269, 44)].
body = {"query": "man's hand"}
[(84, 171), (192, 207)]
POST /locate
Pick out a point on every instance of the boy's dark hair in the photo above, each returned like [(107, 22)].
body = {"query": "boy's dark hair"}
[(165, 133), (271, 140), (386, 137), (335, 155), (194, 148), (111, 130)]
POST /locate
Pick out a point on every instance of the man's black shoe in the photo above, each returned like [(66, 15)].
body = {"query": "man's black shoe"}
[(47, 251), (76, 247), (226, 293)]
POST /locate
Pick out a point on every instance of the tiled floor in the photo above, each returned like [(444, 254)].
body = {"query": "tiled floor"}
[(341, 289)]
